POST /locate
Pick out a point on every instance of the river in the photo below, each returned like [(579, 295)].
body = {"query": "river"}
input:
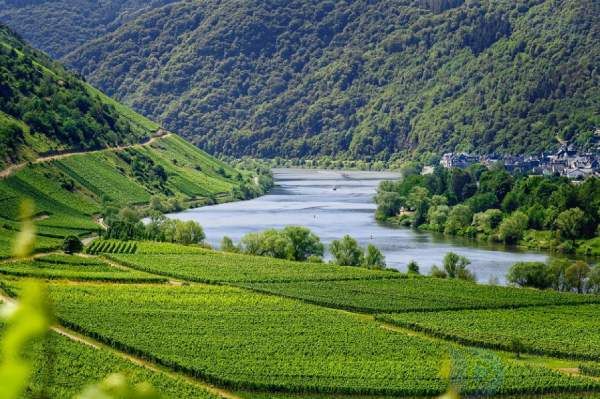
[(335, 203)]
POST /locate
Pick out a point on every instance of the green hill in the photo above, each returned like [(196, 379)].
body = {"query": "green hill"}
[(81, 20), (74, 152), (358, 79)]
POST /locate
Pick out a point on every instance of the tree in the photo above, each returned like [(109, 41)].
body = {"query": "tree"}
[(305, 243), (557, 269), (456, 266), (511, 229), (437, 272), (486, 222), (227, 245), (72, 244), (569, 223), (189, 232), (346, 252), (459, 218), (273, 243), (388, 204), (576, 275), (496, 181), (594, 280), (530, 274), (373, 258), (482, 202), (413, 267)]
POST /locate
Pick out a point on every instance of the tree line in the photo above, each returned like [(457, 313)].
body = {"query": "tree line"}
[(491, 204)]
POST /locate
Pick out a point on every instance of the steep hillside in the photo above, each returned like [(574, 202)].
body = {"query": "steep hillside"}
[(366, 79), (102, 155), (45, 109), (60, 26)]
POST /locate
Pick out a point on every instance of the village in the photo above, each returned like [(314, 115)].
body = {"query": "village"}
[(567, 161)]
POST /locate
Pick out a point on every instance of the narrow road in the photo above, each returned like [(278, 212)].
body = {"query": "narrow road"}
[(16, 167)]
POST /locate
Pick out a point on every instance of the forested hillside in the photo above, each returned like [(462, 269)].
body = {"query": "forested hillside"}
[(366, 79), (60, 26), (104, 157), (45, 109)]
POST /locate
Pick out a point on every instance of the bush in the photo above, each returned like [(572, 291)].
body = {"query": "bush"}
[(346, 252), (373, 258), (413, 267), (227, 245), (455, 266), (530, 274), (511, 229), (72, 244)]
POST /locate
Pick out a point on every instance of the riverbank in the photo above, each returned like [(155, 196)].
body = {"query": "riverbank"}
[(545, 241)]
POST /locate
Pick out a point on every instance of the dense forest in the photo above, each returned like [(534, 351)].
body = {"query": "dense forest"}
[(357, 79), (547, 212), (44, 108), (60, 26)]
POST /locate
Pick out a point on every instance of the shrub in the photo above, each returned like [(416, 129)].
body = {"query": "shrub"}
[(72, 244)]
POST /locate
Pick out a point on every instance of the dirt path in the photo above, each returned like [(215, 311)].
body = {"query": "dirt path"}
[(15, 168), (92, 343)]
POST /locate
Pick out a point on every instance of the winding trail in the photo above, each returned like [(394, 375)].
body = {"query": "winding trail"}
[(160, 134)]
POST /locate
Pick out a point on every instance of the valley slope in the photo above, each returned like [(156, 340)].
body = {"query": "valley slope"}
[(357, 79), (74, 152)]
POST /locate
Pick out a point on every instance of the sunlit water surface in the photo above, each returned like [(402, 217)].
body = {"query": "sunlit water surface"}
[(335, 203)]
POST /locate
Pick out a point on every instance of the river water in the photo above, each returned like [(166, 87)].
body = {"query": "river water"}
[(335, 203)]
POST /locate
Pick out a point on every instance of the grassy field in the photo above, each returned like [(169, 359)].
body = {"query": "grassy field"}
[(416, 294), (213, 266), (247, 340), (562, 331), (74, 268)]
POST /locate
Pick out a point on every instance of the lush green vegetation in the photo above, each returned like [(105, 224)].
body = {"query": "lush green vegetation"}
[(357, 81), (491, 204), (75, 366), (74, 268), (292, 242), (45, 109), (563, 331), (248, 340), (112, 247), (212, 266), (82, 20), (558, 274), (414, 294)]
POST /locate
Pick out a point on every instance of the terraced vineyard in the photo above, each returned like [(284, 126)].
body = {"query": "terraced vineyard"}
[(112, 247), (75, 268), (211, 266), (75, 366), (562, 331), (415, 294), (246, 340)]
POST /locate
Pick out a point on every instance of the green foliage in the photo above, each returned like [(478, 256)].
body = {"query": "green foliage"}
[(414, 294), (527, 202), (26, 322), (512, 228), (72, 245), (293, 243), (112, 247), (373, 258), (413, 267), (561, 331), (46, 109), (455, 266), (346, 252), (213, 267), (371, 84), (261, 351), (530, 274)]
